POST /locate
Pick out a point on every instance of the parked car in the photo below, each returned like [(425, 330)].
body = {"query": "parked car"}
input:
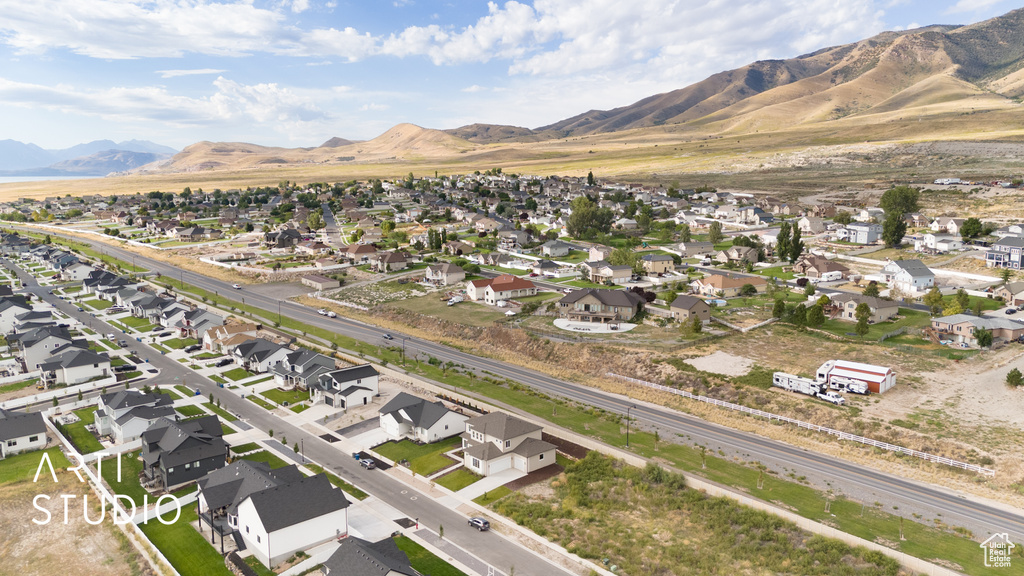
[(387, 336), (223, 362), (124, 368), (831, 396), (480, 524), (163, 334), (1011, 311), (367, 463), (192, 348)]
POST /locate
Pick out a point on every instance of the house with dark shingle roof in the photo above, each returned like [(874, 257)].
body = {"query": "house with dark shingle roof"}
[(358, 557), (258, 354), (685, 307), (21, 432), (179, 452), (908, 276), (350, 386), (495, 442), (74, 366), (275, 513), (419, 419), (126, 414), (594, 305)]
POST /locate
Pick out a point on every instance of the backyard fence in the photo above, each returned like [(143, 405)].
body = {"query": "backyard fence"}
[(807, 425)]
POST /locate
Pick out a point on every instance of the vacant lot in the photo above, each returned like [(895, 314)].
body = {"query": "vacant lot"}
[(469, 313)]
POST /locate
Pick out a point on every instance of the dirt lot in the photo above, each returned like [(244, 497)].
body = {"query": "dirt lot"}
[(74, 549)]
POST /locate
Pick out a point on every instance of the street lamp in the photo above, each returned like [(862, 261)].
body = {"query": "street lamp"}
[(302, 449), (627, 424), (403, 350), (278, 312)]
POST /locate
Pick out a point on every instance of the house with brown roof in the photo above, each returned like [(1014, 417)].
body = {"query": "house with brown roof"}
[(814, 266), (444, 274), (685, 307), (221, 338), (726, 286), (388, 262), (496, 442), (737, 255), (602, 272), (358, 253), (595, 305), (508, 287), (1012, 293), (846, 303)]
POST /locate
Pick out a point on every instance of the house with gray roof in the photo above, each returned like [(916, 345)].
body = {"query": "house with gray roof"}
[(964, 327), (496, 442), (258, 354), (408, 416), (595, 305), (176, 453), (21, 432), (126, 414), (74, 366), (274, 513), (10, 309), (301, 368), (909, 277), (358, 557), (355, 385)]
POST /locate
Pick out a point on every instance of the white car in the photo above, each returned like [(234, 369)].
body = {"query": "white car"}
[(331, 314), (236, 286), (833, 397), (322, 312)]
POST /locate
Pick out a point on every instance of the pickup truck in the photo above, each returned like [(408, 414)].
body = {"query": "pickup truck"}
[(831, 396)]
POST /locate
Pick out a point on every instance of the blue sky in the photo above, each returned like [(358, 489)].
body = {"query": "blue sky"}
[(297, 72)]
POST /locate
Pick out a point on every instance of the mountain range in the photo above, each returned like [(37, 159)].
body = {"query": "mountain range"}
[(96, 158)]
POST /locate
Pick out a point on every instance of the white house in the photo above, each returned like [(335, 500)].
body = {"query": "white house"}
[(908, 276), (409, 416), (938, 243), (352, 386), (126, 414), (21, 432), (75, 366), (497, 441)]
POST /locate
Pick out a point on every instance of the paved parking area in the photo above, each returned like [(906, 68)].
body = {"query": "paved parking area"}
[(280, 290)]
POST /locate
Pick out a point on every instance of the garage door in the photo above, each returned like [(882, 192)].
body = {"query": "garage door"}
[(499, 465), (329, 400)]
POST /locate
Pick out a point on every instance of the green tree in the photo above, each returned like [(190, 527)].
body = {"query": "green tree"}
[(799, 315), (971, 228), (796, 246), (685, 235), (315, 221), (1006, 274), (984, 337), (963, 299), (900, 200), (387, 227), (952, 308), (862, 314), (747, 290), (625, 257), (715, 233), (815, 316), (933, 299), (823, 301), (696, 325), (871, 289), (590, 178), (809, 290), (842, 217), (1014, 378), (783, 242), (779, 308), (894, 228)]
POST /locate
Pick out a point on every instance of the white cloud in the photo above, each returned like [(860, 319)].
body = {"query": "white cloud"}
[(474, 88), (196, 72), (373, 106), (971, 6), (300, 6)]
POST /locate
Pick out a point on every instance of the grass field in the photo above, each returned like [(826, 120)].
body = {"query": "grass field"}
[(423, 561), (188, 551), (469, 313), (131, 467), (911, 319), (337, 481), (189, 411), (299, 408), (179, 343), (219, 411), (97, 304), (236, 374), (15, 386), (82, 438), (264, 456), (22, 467), (423, 459), (492, 496), (256, 399), (185, 390), (243, 448), (286, 397), (458, 479)]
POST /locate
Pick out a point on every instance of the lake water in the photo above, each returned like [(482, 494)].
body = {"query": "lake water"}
[(14, 179)]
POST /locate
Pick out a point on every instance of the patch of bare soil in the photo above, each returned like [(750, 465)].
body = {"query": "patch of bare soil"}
[(72, 549), (722, 363)]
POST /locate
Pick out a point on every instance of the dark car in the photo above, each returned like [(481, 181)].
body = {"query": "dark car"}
[(480, 524), (192, 348), (388, 337), (367, 463), (223, 362), (163, 334), (1011, 310), (124, 368)]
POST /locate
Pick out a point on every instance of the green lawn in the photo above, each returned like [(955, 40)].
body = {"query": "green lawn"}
[(286, 397), (910, 319), (423, 561), (264, 456), (131, 467), (136, 323), (179, 343), (260, 401), (97, 304), (184, 390), (492, 495), (236, 374), (458, 479), (109, 344), (423, 459), (345, 486), (298, 408), (776, 271), (261, 570), (258, 380), (207, 356), (218, 379), (117, 361), (17, 385), (574, 257), (188, 551), (586, 284), (82, 438), (247, 447), (220, 411), (22, 467), (190, 411), (540, 297), (174, 395)]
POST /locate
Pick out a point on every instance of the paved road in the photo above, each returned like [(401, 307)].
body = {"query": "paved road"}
[(852, 479), (488, 547), (331, 227)]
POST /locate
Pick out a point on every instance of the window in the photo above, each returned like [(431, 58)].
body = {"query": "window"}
[(187, 465), (541, 457), (170, 470), (12, 442), (508, 443), (476, 463), (445, 426), (36, 437), (257, 538), (246, 529), (195, 464)]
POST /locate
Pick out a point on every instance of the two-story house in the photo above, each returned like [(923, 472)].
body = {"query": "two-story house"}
[(126, 414), (594, 305), (176, 453), (352, 386), (908, 276), (496, 442), (301, 368), (1006, 253)]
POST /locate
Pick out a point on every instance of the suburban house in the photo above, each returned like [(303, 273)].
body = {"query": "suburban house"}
[(948, 225), (388, 262), (126, 414), (444, 274), (21, 432), (962, 328), (257, 355), (696, 249), (219, 338), (938, 243), (594, 305), (358, 557), (555, 248), (810, 225), (408, 416), (846, 307), (815, 266), (358, 253), (176, 453), (504, 287), (197, 322), (1006, 253), (601, 272), (1012, 293), (599, 252), (10, 308), (725, 286), (350, 386), (301, 368), (864, 232), (908, 276), (737, 255), (657, 263), (496, 442), (319, 283), (685, 307), (75, 366), (276, 513), (284, 238)]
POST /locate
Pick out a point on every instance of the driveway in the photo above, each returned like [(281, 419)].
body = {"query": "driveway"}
[(489, 483)]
